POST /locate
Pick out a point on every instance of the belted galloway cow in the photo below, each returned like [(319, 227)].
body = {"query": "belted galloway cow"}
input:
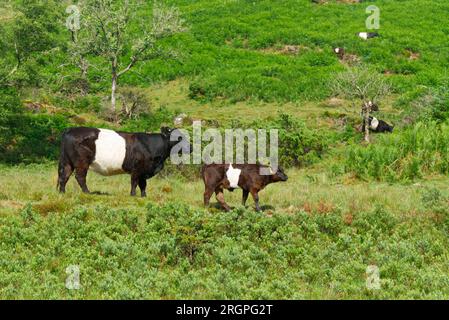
[(109, 152)]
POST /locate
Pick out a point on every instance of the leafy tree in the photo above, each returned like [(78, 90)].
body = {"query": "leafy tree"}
[(106, 33), (77, 52), (364, 85), (32, 32)]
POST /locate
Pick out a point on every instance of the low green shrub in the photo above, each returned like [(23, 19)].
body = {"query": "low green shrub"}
[(178, 252)]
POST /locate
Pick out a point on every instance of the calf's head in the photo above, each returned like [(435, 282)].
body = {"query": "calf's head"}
[(279, 175)]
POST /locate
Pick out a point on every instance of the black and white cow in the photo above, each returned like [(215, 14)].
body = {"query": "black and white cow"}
[(109, 152), (367, 35), (376, 125), (340, 52)]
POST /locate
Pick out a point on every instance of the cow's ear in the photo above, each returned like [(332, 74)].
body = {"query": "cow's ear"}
[(165, 131)]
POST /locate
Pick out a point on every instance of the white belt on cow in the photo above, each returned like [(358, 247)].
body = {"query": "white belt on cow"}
[(233, 176)]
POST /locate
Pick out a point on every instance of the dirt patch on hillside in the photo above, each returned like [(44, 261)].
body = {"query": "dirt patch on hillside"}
[(289, 50), (11, 204), (411, 55), (338, 1)]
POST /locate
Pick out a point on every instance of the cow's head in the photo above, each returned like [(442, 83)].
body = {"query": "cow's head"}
[(279, 175), (176, 137)]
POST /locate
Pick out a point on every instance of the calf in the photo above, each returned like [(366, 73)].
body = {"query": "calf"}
[(217, 177), (109, 152), (376, 125)]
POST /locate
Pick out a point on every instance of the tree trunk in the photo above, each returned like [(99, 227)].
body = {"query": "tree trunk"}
[(366, 112), (114, 89)]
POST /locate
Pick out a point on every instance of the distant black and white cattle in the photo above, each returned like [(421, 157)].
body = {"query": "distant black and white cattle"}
[(340, 52), (110, 152), (367, 35), (376, 125)]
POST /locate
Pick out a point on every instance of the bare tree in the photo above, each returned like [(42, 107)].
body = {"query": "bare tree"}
[(363, 85), (109, 35)]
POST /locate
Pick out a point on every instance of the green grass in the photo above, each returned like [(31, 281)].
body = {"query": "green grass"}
[(231, 50), (228, 42), (314, 239)]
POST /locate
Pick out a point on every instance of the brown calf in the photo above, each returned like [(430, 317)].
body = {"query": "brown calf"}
[(217, 177)]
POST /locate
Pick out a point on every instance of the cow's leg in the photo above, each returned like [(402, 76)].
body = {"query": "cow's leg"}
[(80, 175), (207, 194), (245, 196), (220, 198), (134, 183), (255, 195), (142, 186), (64, 174)]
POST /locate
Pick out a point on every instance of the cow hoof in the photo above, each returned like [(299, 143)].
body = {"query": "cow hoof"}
[(143, 195)]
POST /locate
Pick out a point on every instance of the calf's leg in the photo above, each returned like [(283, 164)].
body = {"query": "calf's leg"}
[(245, 196), (220, 198), (207, 194), (255, 195)]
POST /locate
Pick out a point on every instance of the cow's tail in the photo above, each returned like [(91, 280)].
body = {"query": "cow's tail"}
[(61, 164)]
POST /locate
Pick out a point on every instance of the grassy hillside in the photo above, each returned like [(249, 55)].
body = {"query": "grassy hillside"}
[(242, 63)]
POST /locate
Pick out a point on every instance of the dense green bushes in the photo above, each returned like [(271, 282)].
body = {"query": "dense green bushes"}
[(174, 251), (298, 144), (27, 137), (404, 155), (424, 104), (31, 137)]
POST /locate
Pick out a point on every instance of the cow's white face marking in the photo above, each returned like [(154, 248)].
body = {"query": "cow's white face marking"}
[(337, 50), (109, 154), (233, 175), (374, 123)]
